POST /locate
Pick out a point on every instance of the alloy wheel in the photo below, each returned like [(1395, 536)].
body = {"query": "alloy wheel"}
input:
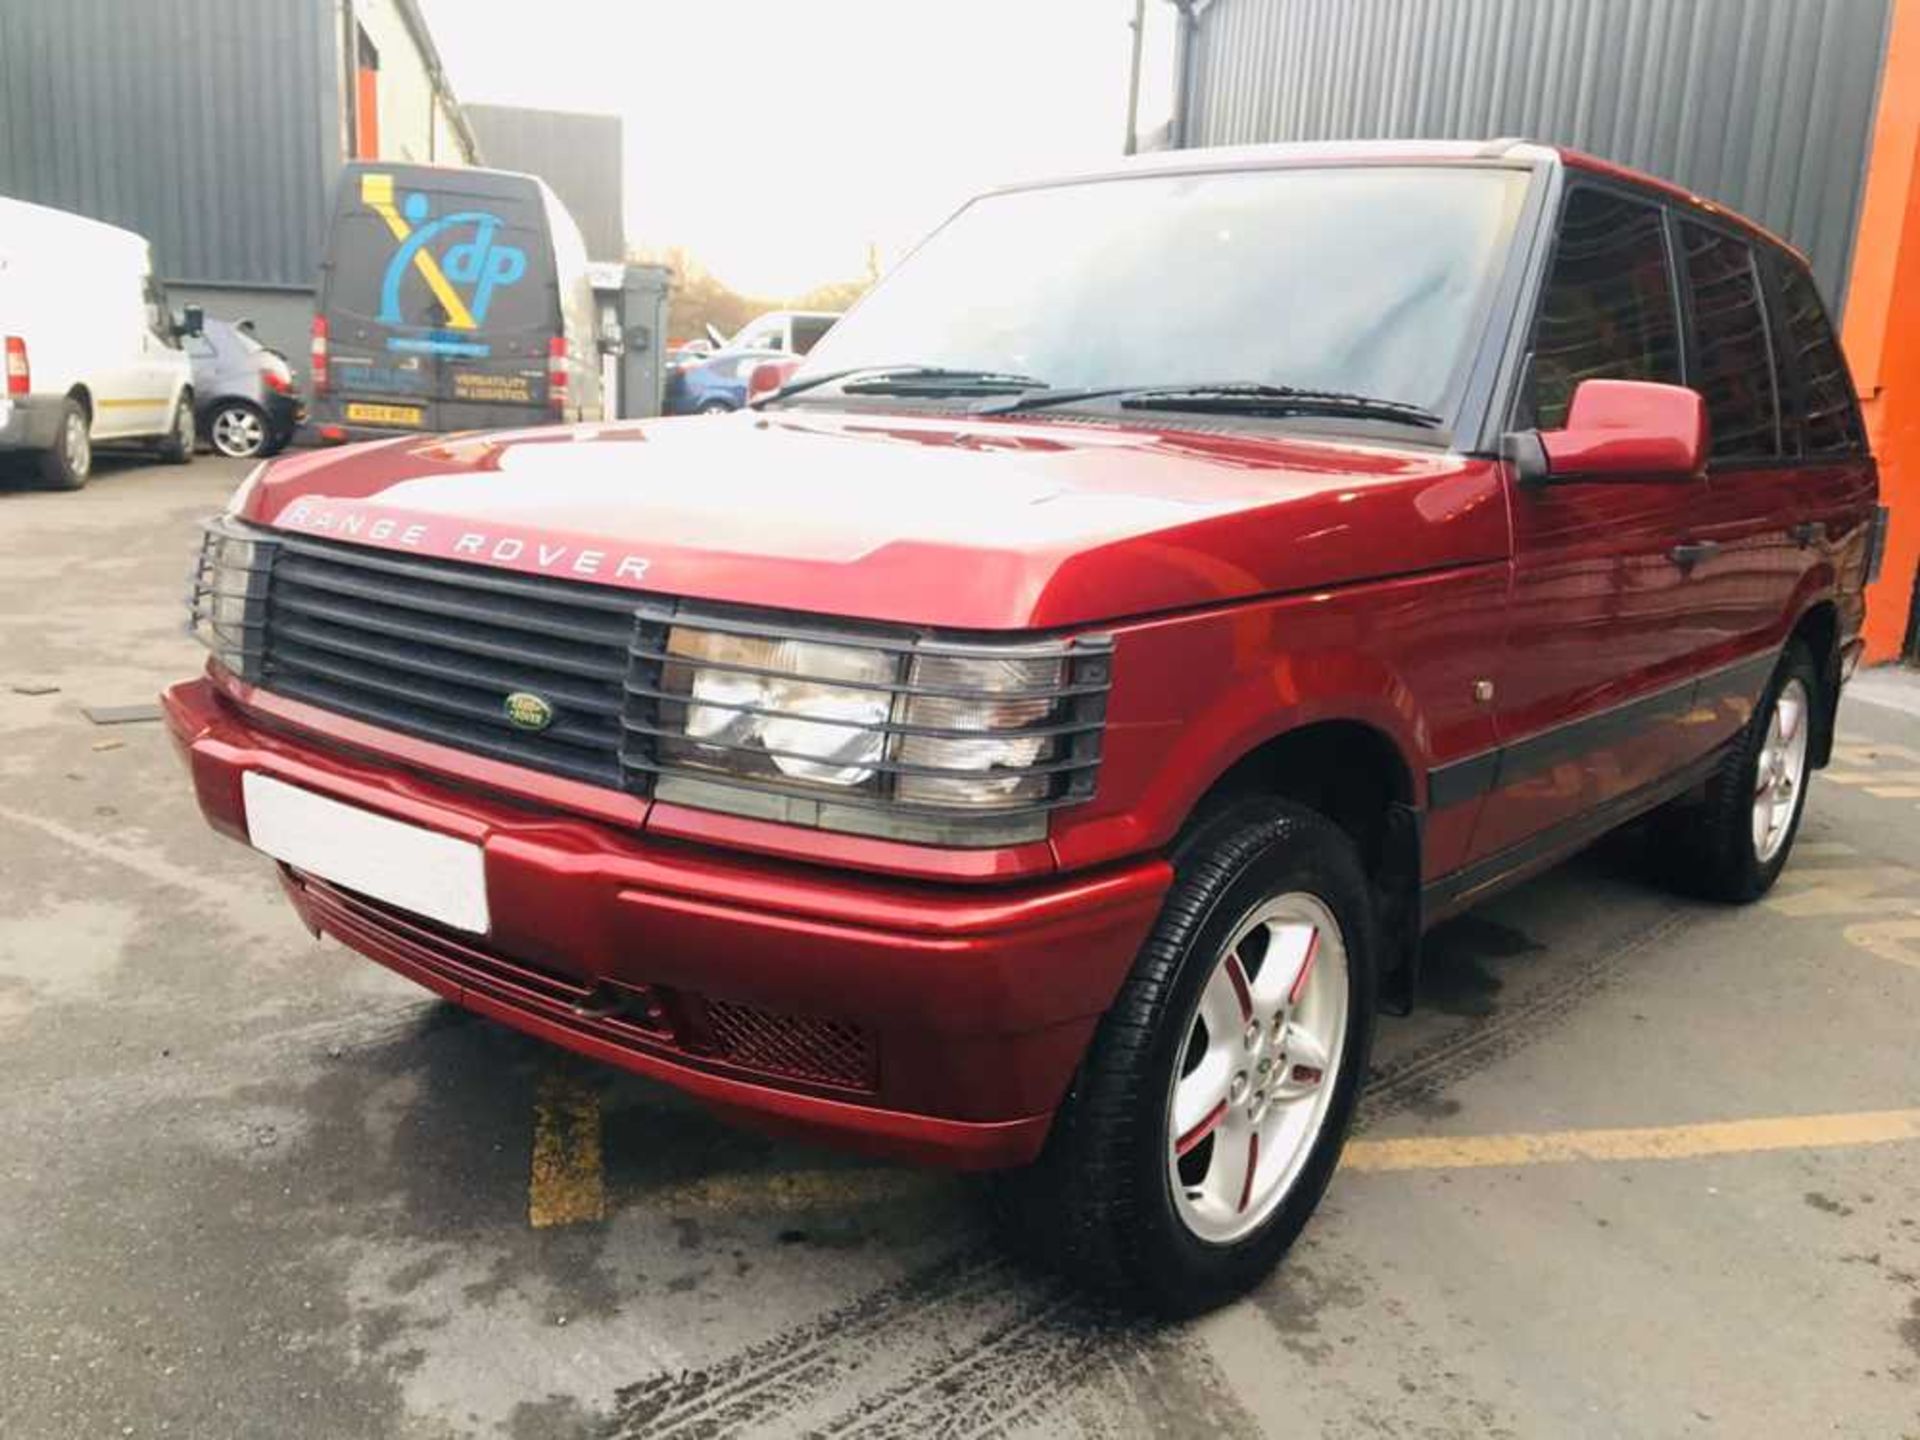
[(237, 433), (1257, 1074), (1780, 770), (78, 443)]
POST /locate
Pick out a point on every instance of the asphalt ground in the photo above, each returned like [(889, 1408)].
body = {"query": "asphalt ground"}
[(1639, 1166)]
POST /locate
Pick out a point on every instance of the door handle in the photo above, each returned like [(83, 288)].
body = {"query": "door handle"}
[(1690, 554), (1808, 532)]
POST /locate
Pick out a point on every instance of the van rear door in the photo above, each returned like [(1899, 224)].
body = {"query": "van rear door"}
[(440, 299)]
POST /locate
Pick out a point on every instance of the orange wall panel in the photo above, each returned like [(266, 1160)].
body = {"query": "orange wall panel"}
[(1879, 331)]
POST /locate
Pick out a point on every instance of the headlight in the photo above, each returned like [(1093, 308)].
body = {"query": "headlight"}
[(912, 738), (228, 599)]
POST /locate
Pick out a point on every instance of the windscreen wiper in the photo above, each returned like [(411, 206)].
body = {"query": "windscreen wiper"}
[(921, 380), (1239, 397)]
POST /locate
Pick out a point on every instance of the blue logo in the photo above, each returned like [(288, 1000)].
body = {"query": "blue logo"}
[(479, 262)]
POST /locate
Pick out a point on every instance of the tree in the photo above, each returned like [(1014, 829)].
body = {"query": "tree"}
[(699, 298)]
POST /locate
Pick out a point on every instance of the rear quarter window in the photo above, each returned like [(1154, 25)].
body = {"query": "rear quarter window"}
[(1734, 364), (1828, 414)]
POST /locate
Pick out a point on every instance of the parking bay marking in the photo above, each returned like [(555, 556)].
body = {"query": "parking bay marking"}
[(784, 1192), (1660, 1142), (567, 1186)]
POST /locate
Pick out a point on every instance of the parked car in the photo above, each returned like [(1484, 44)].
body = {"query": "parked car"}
[(92, 349), (451, 299), (247, 403), (793, 332), (1015, 751), (714, 385), (689, 352)]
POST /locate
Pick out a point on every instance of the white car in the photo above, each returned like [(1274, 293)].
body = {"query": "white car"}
[(92, 351)]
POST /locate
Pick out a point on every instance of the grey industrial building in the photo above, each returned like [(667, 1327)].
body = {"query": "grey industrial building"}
[(223, 154), (1763, 105)]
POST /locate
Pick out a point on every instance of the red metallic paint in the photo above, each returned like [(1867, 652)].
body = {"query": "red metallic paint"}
[(1254, 584), (960, 522), (981, 1001), (1630, 428)]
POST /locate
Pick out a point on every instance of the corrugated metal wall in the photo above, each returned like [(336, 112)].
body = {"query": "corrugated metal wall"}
[(1764, 105), (212, 127)]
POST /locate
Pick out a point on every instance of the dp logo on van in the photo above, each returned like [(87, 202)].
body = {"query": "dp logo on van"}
[(478, 263)]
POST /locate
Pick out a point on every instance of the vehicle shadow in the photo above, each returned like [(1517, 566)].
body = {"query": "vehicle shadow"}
[(18, 477)]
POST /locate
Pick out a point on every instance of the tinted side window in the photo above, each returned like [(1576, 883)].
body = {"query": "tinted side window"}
[(807, 332), (1829, 417), (1607, 311), (153, 300), (1730, 333)]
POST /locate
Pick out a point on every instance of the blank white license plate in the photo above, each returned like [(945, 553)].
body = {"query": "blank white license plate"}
[(419, 870)]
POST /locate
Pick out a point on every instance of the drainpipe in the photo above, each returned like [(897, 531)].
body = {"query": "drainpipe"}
[(349, 78), (1133, 77), (1183, 70)]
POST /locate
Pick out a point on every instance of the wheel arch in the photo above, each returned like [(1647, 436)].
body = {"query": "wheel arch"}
[(1819, 629), (80, 393)]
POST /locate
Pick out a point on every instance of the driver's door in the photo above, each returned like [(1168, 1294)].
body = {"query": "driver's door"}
[(1595, 681)]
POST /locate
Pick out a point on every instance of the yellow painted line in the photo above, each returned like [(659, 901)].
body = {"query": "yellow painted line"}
[(567, 1185), (1844, 890), (1851, 751), (119, 403), (1664, 1142), (1895, 940)]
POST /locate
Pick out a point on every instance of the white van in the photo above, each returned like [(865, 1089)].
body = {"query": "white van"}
[(92, 352), (794, 331)]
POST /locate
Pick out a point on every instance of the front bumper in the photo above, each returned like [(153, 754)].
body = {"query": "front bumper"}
[(936, 1023)]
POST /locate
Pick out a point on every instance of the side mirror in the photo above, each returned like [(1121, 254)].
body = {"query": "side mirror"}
[(193, 320), (768, 376), (1618, 430)]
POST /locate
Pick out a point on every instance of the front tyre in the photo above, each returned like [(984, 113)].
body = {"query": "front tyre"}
[(177, 447), (1213, 1103)]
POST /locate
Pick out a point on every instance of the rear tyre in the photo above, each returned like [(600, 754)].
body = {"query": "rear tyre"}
[(177, 447), (1214, 1101), (67, 465), (238, 431), (1732, 842)]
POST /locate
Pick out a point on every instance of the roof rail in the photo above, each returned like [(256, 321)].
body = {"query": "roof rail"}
[(1494, 149)]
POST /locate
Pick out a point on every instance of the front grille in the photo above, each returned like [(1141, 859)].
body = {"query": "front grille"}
[(723, 1035), (433, 649), (585, 681)]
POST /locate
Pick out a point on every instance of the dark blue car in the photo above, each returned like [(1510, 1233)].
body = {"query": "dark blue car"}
[(714, 384)]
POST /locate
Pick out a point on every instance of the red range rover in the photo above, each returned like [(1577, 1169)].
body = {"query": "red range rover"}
[(1037, 737)]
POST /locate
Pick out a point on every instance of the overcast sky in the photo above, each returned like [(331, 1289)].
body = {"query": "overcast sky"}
[(776, 138)]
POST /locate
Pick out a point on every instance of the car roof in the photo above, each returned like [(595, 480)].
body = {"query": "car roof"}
[(1506, 150)]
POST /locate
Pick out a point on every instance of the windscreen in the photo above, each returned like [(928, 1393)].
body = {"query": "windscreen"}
[(1364, 279), (440, 283)]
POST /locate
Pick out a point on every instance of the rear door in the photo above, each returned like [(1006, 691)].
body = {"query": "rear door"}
[(1750, 557), (440, 299), (1595, 680)]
